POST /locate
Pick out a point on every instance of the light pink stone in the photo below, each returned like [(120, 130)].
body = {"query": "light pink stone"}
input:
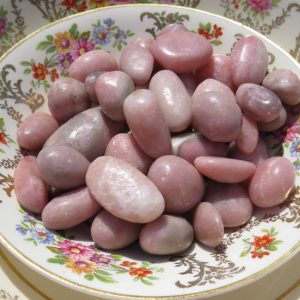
[(173, 99), (272, 182), (123, 190), (137, 62), (174, 27), (275, 124), (31, 191), (181, 51), (90, 62), (249, 61), (189, 81), (225, 170), (123, 146), (144, 41)]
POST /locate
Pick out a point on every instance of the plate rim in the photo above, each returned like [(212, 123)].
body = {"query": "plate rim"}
[(112, 295)]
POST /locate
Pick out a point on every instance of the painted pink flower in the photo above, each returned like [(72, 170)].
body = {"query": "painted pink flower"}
[(102, 260), (260, 5), (80, 47), (74, 250), (291, 133)]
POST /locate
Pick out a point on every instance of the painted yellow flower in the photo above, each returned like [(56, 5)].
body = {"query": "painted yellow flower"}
[(63, 41), (98, 3), (80, 266)]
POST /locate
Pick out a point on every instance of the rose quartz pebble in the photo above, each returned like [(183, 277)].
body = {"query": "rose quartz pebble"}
[(174, 27), (111, 89), (62, 167), (217, 67), (179, 182), (69, 209), (123, 146), (275, 124), (88, 132), (179, 138), (31, 191), (225, 170), (35, 130), (208, 225), (259, 154), (216, 116), (189, 81), (249, 61), (144, 41), (272, 182), (285, 84), (89, 84), (259, 103), (146, 121), (198, 145), (212, 85), (173, 99), (180, 51), (123, 190), (137, 62), (111, 233), (231, 201), (247, 140), (166, 235), (90, 62)]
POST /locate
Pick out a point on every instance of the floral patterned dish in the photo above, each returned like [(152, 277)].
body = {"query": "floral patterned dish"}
[(26, 72)]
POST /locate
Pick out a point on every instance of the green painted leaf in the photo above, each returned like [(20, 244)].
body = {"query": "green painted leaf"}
[(43, 45), (216, 42), (73, 31), (160, 270), (116, 257), (117, 268), (51, 49), (152, 278), (2, 151), (246, 240), (273, 232), (147, 282), (105, 279), (137, 278), (146, 264), (276, 242), (54, 249), (57, 260), (207, 27), (49, 38), (89, 277), (101, 272), (245, 251), (85, 35), (25, 63), (271, 248), (27, 71), (266, 231)]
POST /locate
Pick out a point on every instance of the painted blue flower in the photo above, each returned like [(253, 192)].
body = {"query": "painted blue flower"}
[(21, 229), (295, 148), (120, 36), (109, 22), (42, 236), (101, 35)]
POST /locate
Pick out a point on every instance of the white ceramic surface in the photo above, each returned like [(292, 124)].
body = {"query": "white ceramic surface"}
[(26, 73)]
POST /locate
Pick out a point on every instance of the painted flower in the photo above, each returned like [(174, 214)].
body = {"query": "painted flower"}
[(72, 4), (140, 272), (260, 5), (235, 4), (291, 133), (80, 47), (120, 36), (39, 71), (217, 31), (259, 254), (101, 35), (102, 260), (295, 148), (74, 250), (127, 263), (42, 236), (262, 241), (109, 22), (205, 33), (2, 138), (3, 25), (53, 74), (21, 229), (80, 266), (98, 3), (63, 41), (65, 60)]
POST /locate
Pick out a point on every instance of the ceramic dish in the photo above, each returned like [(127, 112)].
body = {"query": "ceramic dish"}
[(270, 238), (277, 19)]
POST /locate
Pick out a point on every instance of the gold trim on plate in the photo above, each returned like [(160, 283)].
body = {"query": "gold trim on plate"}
[(93, 291)]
